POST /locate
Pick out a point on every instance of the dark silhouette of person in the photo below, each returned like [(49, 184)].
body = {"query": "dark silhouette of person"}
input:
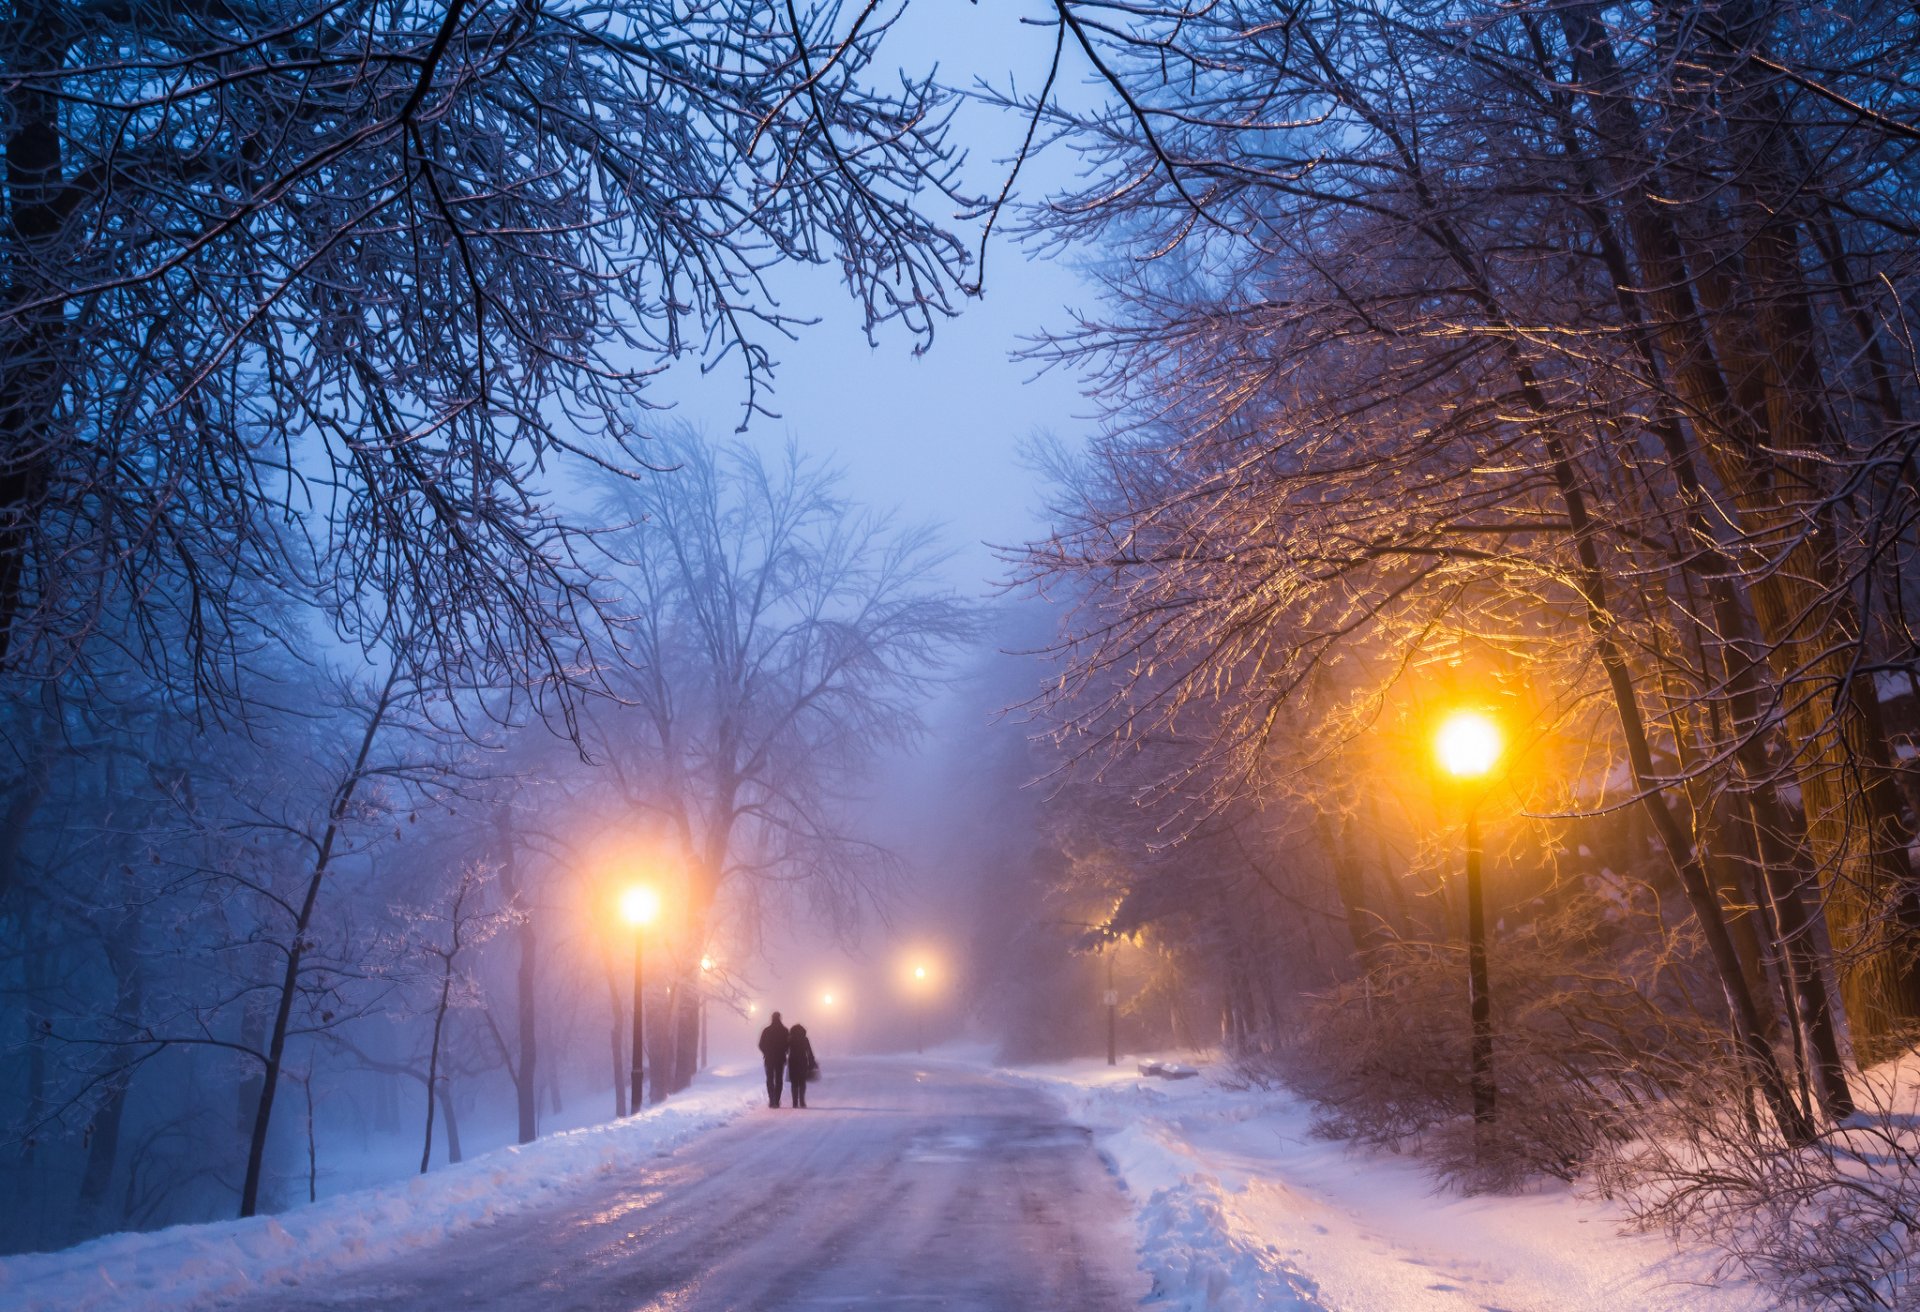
[(773, 1051), (801, 1067)]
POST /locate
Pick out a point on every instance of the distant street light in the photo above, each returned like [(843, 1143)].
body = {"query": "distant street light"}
[(1467, 746), (639, 907), (826, 999)]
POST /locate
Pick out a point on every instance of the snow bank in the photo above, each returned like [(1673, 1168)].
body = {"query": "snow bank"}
[(1239, 1206), (194, 1266)]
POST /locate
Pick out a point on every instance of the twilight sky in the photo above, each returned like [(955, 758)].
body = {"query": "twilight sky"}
[(938, 437)]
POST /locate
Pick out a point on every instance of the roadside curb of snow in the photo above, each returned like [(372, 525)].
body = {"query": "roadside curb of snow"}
[(188, 1267), (1201, 1252)]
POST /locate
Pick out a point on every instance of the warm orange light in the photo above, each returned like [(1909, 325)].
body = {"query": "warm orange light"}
[(826, 999), (919, 972), (1468, 744), (706, 963), (639, 905)]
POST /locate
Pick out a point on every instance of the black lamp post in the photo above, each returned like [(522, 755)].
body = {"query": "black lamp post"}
[(1467, 747), (639, 907)]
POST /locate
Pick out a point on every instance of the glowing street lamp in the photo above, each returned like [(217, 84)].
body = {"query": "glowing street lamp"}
[(1468, 746), (826, 999), (639, 907)]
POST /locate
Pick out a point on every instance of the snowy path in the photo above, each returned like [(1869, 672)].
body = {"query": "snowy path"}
[(903, 1186)]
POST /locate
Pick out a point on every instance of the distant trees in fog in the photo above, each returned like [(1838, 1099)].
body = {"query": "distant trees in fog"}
[(395, 896), (776, 641), (305, 313)]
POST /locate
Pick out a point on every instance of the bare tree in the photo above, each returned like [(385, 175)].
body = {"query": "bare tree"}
[(776, 638), (468, 922), (368, 268)]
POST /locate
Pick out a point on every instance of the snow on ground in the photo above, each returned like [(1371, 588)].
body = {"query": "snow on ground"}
[(1238, 1205), (195, 1266)]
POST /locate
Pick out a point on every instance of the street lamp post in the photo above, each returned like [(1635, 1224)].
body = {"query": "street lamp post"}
[(706, 968), (639, 906), (1113, 1007), (1468, 745)]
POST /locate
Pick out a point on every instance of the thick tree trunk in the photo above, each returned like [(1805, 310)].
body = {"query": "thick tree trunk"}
[(36, 35), (103, 1148), (1774, 849), (1806, 618), (686, 1032), (618, 1010), (452, 1123), (662, 1009), (526, 1070)]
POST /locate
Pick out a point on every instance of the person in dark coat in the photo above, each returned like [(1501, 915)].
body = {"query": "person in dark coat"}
[(773, 1052), (801, 1067)]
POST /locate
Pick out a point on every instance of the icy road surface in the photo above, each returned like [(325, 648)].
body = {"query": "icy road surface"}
[(902, 1186)]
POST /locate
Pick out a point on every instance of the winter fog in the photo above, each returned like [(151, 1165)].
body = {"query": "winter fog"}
[(778, 654)]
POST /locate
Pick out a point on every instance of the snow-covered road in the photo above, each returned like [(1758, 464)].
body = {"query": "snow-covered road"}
[(904, 1185)]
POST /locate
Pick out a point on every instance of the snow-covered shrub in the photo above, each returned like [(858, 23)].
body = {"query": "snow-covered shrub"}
[(1608, 1076), (1834, 1224), (1585, 1039)]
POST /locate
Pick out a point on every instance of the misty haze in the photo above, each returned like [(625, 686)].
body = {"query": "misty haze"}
[(1060, 655)]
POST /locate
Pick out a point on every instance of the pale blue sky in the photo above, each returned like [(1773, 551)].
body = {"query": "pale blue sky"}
[(939, 437)]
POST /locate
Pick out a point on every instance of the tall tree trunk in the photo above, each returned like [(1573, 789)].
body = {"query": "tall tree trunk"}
[(684, 1022), (1855, 835), (1362, 925), (617, 1009), (686, 1031), (526, 1070), (296, 947), (433, 1053), (661, 1031), (103, 1147), (1788, 1116), (36, 35), (1775, 847), (451, 1122)]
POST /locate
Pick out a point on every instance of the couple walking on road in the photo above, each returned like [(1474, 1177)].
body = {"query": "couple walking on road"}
[(787, 1052)]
